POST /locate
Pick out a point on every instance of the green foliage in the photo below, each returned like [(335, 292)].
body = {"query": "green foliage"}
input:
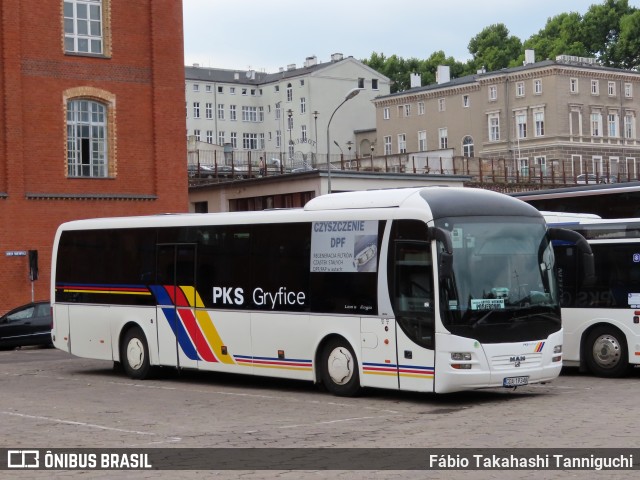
[(608, 31)]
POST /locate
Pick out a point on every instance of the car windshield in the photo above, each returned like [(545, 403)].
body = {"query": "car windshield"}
[(502, 276)]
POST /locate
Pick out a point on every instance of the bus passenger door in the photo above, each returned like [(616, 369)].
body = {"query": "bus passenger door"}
[(413, 299), (178, 333), (378, 351)]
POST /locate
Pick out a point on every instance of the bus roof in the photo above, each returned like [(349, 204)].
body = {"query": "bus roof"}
[(439, 201)]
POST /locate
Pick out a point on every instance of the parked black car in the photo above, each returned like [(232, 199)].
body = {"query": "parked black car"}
[(26, 325)]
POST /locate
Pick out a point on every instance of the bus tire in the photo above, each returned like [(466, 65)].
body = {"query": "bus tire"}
[(606, 352), (340, 373), (134, 354)]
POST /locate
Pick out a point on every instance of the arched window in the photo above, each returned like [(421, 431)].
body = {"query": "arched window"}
[(467, 146), (86, 138)]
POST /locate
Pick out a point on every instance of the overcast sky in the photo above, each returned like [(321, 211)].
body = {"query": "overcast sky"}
[(268, 34)]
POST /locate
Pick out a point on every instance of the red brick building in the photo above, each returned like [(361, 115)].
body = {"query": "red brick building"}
[(92, 122)]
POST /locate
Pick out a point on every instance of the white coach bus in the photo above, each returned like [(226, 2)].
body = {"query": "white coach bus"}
[(432, 289), (600, 317)]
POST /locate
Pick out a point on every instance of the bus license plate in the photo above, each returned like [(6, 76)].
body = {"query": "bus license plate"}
[(515, 381)]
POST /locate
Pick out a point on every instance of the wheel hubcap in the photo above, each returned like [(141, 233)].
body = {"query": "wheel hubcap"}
[(340, 366), (135, 353), (606, 351)]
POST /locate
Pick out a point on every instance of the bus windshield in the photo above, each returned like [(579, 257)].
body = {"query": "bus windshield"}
[(502, 286)]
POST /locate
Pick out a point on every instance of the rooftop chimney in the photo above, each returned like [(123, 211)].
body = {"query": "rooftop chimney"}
[(529, 57), (311, 61), (443, 74), (415, 80)]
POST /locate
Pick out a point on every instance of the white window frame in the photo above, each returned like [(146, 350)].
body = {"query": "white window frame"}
[(386, 114), (595, 87), (233, 113), (402, 143), (466, 101), (407, 110), (538, 122), (422, 141), (442, 104), (595, 120), (443, 138), (573, 85), (612, 125), (541, 161), (209, 136), (628, 90), (83, 26), (493, 122), (611, 89), (519, 89), (208, 110), (249, 113), (537, 86), (221, 111), (468, 147), (521, 124), (81, 113), (220, 137), (493, 93), (249, 141), (387, 144), (303, 105), (420, 108), (196, 109), (629, 126)]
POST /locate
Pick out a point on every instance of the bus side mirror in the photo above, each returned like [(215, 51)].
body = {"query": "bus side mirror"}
[(584, 249), (446, 256)]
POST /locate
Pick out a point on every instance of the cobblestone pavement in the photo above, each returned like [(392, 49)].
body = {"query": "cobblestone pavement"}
[(53, 400)]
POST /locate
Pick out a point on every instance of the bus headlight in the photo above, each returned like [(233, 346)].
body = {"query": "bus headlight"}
[(461, 357), (557, 351)]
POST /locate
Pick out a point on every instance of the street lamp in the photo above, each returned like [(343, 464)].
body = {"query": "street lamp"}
[(315, 119), (290, 124), (350, 94)]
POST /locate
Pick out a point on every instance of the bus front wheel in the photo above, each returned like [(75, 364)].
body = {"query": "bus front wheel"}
[(606, 352), (134, 354), (340, 373)]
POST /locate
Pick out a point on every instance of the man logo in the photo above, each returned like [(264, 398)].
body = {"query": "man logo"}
[(517, 360), (23, 459)]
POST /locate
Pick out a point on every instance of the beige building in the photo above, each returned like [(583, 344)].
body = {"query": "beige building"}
[(567, 115)]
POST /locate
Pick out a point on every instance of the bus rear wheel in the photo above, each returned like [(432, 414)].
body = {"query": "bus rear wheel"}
[(340, 373), (606, 352), (134, 354)]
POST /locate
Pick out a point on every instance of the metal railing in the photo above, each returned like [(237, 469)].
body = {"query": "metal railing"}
[(207, 166)]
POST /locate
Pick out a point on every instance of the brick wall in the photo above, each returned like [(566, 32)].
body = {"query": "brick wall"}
[(142, 81)]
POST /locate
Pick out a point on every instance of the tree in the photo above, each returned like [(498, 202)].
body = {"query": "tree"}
[(493, 48), (601, 30), (628, 47), (562, 35)]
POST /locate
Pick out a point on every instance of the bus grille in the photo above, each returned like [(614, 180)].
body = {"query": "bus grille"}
[(503, 362)]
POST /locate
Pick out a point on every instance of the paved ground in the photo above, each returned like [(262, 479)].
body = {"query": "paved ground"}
[(52, 400)]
